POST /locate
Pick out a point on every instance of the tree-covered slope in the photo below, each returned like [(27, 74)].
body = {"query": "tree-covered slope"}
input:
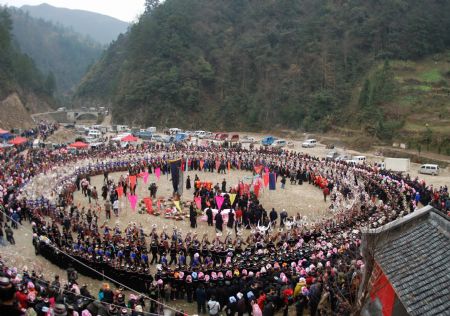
[(17, 70), (57, 51), (242, 64), (99, 27)]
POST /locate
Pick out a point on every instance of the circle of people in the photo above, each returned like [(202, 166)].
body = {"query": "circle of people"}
[(284, 260)]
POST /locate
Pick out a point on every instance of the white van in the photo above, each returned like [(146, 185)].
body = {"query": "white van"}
[(279, 143), (359, 159), (429, 169), (94, 133), (309, 143)]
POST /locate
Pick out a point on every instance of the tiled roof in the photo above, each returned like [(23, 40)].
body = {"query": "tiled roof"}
[(415, 257)]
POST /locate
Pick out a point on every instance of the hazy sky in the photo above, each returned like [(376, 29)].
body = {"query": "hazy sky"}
[(125, 10)]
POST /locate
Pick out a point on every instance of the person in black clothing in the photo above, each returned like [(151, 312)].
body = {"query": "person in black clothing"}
[(192, 216), (224, 185), (273, 217), (188, 183), (200, 294), (230, 222), (209, 215), (219, 222)]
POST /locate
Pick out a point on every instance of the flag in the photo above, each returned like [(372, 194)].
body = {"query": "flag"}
[(119, 191), (272, 181), (133, 200), (258, 169), (266, 179), (158, 172), (149, 205), (145, 176), (198, 202), (256, 189), (175, 172), (219, 201), (232, 198), (132, 181)]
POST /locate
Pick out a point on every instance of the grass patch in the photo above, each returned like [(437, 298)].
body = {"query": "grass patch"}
[(408, 100), (432, 75), (423, 88)]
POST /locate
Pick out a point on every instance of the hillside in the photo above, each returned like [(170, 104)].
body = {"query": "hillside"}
[(99, 27), (23, 88), (266, 64), (56, 50)]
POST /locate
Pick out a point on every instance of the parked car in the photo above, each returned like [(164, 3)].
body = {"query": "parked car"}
[(247, 139), (268, 140), (157, 138), (145, 135), (309, 143), (343, 158), (429, 169), (279, 143), (332, 155)]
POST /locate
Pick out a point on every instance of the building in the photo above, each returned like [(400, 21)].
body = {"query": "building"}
[(408, 266)]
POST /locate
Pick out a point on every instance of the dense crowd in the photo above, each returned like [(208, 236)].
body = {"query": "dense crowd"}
[(284, 260)]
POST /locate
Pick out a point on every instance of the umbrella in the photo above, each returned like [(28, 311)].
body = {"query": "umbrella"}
[(78, 145), (2, 131), (18, 140), (129, 138)]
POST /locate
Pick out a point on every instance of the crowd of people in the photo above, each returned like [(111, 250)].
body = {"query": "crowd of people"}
[(280, 261)]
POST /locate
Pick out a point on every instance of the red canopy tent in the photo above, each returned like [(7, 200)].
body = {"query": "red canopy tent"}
[(79, 145), (18, 140), (129, 138)]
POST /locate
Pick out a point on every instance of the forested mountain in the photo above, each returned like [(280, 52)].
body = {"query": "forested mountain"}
[(243, 64), (18, 70), (101, 28), (23, 88), (57, 51)]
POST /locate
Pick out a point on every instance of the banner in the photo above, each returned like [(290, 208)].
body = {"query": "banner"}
[(258, 169), (266, 179), (133, 201), (149, 205), (177, 205), (272, 181), (219, 201), (175, 166), (132, 181), (232, 198), (198, 202), (119, 191), (158, 172), (256, 189), (145, 176)]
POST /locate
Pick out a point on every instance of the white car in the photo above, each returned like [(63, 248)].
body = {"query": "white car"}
[(309, 143), (157, 138), (246, 139)]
